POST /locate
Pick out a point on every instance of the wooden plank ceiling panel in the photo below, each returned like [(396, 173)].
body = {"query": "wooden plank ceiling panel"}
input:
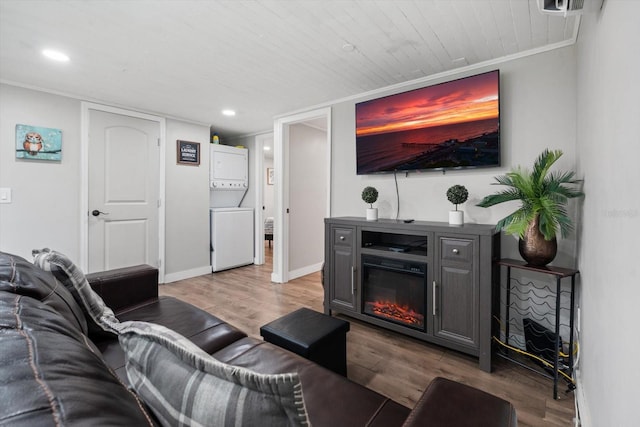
[(475, 29), (521, 24), (424, 39), (489, 28), (406, 44), (504, 20), (539, 26), (432, 42), (363, 69), (191, 58)]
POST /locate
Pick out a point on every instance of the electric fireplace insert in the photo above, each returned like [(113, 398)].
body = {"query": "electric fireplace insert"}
[(395, 290)]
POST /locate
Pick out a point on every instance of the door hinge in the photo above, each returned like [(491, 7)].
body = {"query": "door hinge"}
[(159, 203), (158, 142), (159, 263)]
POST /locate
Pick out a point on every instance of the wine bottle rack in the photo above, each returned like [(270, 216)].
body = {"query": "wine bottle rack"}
[(550, 314)]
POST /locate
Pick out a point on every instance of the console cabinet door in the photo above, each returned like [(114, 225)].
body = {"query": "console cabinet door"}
[(457, 290), (343, 288)]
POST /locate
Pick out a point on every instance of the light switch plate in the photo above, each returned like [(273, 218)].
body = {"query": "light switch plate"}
[(5, 195)]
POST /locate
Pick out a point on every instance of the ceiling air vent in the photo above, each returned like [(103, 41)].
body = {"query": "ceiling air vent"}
[(569, 7)]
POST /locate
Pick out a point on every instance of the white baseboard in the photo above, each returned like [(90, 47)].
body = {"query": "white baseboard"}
[(581, 402), (304, 271), (187, 274)]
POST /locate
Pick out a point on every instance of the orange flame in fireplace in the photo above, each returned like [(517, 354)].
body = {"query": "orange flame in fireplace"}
[(393, 311)]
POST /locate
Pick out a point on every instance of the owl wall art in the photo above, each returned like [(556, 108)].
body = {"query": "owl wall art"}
[(38, 143)]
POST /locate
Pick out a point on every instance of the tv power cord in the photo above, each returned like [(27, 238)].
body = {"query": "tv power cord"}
[(395, 178)]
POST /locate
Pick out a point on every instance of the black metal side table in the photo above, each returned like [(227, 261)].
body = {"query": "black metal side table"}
[(559, 273)]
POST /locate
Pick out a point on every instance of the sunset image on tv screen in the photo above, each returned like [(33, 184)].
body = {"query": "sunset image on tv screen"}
[(449, 125)]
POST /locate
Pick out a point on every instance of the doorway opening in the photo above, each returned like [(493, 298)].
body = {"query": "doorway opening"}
[(265, 201), (302, 178)]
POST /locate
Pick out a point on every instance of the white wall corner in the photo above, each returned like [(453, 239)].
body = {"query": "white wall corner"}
[(187, 274), (583, 415), (304, 271)]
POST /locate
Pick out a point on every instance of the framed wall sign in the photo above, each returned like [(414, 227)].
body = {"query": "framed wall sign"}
[(188, 153)]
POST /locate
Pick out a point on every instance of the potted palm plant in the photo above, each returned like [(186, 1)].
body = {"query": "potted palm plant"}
[(457, 195), (370, 195), (544, 196)]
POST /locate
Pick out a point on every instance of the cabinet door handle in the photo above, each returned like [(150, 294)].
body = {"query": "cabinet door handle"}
[(435, 298), (353, 280), (341, 237), (456, 251)]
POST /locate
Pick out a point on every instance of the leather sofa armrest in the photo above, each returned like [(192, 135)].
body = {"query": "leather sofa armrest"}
[(125, 288), (448, 403)]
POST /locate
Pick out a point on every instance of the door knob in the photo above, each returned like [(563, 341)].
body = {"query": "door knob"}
[(96, 212)]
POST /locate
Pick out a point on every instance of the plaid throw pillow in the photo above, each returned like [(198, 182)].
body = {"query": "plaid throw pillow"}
[(72, 277), (184, 386)]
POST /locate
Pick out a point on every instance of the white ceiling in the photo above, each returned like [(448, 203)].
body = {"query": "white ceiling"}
[(190, 59)]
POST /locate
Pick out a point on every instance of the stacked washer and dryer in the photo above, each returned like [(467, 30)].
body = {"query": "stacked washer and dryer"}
[(231, 226)]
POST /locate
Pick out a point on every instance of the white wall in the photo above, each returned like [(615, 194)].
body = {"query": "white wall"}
[(249, 143), (608, 146), (187, 205), (307, 197), (537, 95), (46, 195), (45, 211)]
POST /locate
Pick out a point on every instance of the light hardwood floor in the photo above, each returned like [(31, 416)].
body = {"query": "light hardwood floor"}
[(394, 365)]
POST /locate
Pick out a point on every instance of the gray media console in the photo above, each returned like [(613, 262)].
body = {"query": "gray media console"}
[(428, 280)]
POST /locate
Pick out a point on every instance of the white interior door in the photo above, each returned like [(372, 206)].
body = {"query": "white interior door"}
[(123, 163)]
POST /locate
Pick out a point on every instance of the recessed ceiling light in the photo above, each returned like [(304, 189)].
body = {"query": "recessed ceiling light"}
[(267, 148), (229, 113), (55, 55)]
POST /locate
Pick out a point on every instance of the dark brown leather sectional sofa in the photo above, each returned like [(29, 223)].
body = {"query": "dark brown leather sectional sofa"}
[(53, 373)]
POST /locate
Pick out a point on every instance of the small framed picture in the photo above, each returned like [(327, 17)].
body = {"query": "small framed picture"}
[(188, 153), (38, 143), (270, 176)]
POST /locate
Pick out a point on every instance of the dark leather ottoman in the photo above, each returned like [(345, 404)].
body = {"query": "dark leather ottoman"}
[(447, 403), (312, 335)]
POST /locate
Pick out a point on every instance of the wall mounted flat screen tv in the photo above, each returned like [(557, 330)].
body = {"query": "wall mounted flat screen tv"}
[(451, 125)]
